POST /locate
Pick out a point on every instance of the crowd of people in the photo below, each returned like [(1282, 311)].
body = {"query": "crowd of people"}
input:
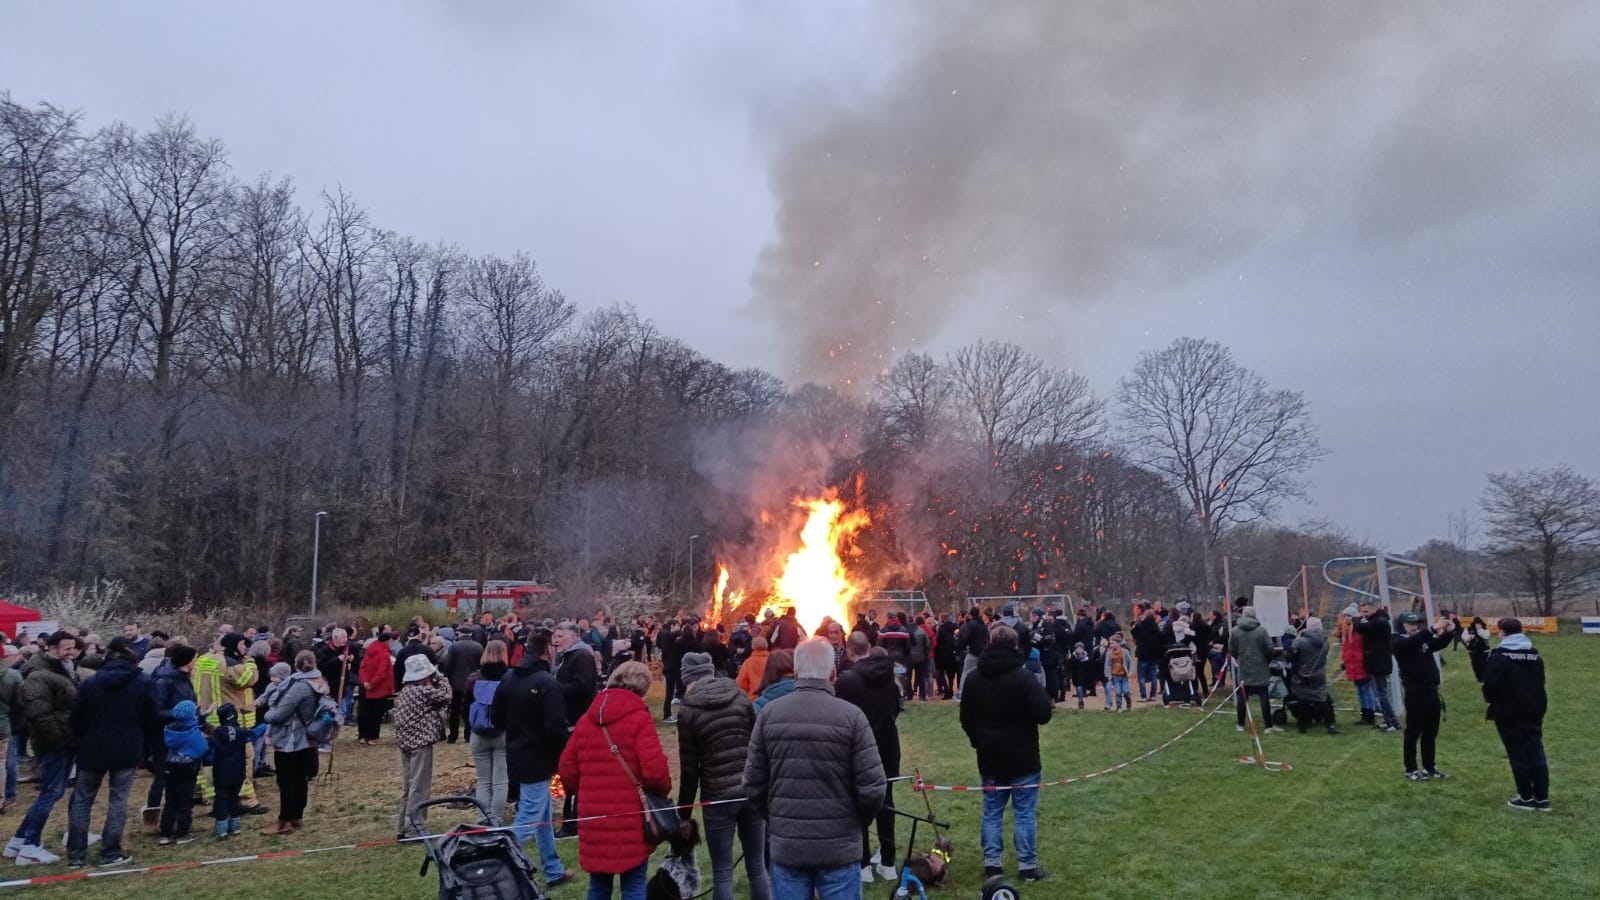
[(789, 743)]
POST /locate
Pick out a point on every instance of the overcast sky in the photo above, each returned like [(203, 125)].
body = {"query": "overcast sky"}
[(1395, 209)]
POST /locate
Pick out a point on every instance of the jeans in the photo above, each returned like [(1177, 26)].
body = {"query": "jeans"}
[(1422, 725), (177, 812), (82, 804), (633, 883), (53, 766), (924, 679), (347, 700), (1149, 673), (1366, 696), (533, 820), (1117, 693), (489, 761), (1024, 826), (722, 821), (1381, 684), (1241, 700), (12, 748), (843, 883), (1524, 743)]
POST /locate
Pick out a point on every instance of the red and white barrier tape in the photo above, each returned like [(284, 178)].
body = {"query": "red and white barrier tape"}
[(1062, 782)]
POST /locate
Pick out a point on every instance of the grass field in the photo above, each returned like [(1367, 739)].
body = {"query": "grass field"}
[(1190, 821)]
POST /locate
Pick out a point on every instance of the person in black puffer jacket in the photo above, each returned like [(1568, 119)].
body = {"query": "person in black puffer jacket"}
[(714, 723), (1002, 707), (1377, 657), (528, 705), (870, 686), (974, 638), (169, 686)]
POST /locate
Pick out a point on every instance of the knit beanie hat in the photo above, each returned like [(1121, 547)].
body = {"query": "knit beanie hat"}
[(185, 712), (280, 670), (697, 666)]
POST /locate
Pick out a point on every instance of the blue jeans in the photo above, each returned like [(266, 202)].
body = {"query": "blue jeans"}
[(53, 766), (1024, 826), (721, 822), (1381, 687), (533, 811), (1366, 696), (843, 883), (1117, 695), (633, 882), (11, 764), (1149, 672)]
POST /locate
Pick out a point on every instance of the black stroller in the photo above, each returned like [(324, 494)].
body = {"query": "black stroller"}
[(475, 864)]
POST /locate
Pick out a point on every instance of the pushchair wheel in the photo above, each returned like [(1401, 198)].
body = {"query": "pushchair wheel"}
[(1280, 717)]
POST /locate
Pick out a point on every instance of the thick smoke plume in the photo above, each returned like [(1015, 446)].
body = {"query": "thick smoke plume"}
[(1028, 158)]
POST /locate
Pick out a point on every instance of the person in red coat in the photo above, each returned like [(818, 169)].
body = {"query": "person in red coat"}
[(1351, 650), (377, 689), (615, 845)]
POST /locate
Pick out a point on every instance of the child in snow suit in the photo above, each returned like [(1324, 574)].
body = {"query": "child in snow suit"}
[(187, 750), (229, 752)]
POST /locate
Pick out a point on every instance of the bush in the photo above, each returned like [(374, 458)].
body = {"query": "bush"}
[(91, 607)]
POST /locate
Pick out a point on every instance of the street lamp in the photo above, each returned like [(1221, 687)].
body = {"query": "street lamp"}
[(692, 539), (316, 549)]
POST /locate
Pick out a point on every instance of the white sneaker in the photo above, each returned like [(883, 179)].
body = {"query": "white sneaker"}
[(887, 873), (13, 847), (866, 874), (35, 855)]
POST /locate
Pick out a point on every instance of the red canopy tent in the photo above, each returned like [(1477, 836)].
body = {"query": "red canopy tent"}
[(12, 615)]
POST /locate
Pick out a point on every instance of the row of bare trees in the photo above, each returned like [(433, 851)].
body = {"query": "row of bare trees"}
[(193, 364)]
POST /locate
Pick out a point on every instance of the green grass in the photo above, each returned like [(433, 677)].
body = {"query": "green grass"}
[(1188, 822)]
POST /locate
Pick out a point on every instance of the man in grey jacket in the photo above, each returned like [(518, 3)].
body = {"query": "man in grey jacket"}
[(813, 766)]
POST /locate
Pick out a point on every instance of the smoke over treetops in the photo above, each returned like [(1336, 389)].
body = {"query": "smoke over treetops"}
[(1025, 157)]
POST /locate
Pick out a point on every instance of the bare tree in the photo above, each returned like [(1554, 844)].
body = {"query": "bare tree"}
[(1219, 434), (1008, 400), (913, 400), (1544, 533)]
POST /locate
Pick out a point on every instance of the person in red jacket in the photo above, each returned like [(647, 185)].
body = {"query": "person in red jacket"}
[(377, 689), (1351, 648), (605, 782)]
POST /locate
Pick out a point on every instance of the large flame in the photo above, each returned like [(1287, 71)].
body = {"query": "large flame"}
[(722, 602), (814, 580)]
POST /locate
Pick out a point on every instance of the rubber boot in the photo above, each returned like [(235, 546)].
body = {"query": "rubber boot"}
[(233, 826), (221, 831)]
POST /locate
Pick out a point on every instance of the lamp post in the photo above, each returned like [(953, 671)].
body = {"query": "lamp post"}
[(316, 549), (692, 539)]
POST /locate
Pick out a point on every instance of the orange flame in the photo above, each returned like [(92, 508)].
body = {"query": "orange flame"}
[(723, 603), (814, 581)]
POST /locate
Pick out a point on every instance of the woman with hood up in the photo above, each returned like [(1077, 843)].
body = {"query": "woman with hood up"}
[(1310, 652), (289, 706)]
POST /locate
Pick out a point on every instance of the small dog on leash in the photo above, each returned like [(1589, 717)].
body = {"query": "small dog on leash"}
[(679, 875)]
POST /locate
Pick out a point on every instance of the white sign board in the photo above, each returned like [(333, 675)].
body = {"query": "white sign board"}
[(30, 630), (1272, 608)]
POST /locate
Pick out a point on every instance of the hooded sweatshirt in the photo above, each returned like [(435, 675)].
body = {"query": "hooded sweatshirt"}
[(870, 685), (228, 741), (1513, 682), (1249, 644), (1002, 707)]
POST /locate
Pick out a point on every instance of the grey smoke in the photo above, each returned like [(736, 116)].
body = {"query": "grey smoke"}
[(1026, 160)]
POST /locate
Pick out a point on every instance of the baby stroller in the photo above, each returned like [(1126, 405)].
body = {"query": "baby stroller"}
[(1290, 704), (474, 864)]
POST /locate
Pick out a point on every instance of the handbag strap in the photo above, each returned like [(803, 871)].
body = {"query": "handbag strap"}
[(616, 752)]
